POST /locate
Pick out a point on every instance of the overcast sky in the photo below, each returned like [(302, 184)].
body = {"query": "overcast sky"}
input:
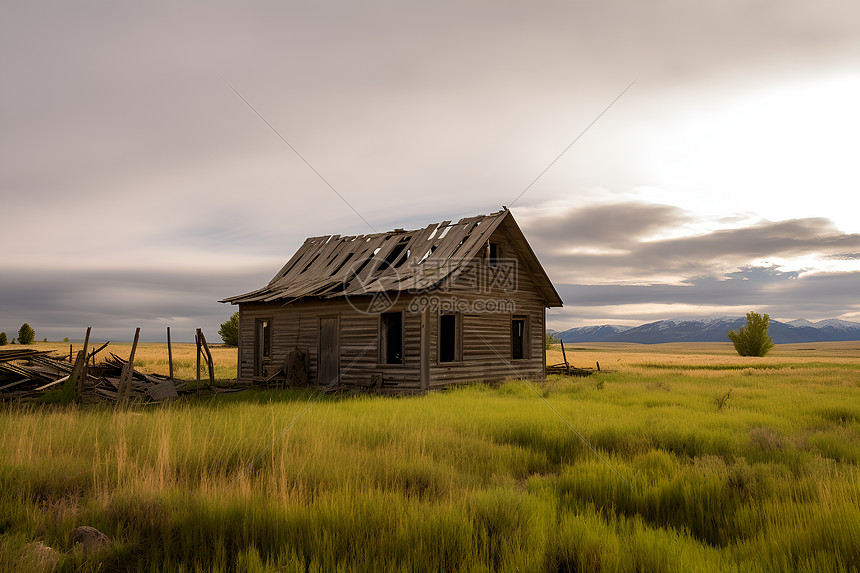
[(138, 188)]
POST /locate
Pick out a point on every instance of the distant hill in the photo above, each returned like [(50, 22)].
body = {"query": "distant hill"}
[(713, 330), (590, 333)]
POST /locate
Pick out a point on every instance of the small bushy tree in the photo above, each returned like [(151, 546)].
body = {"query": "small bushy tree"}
[(26, 334), (229, 330), (550, 339), (752, 339), (3, 340)]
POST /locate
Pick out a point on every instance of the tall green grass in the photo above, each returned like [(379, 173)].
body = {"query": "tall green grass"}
[(477, 478)]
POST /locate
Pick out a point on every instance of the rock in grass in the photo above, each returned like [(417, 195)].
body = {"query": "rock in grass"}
[(89, 538)]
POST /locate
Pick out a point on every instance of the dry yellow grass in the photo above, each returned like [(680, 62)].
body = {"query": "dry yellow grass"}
[(152, 357), (622, 355)]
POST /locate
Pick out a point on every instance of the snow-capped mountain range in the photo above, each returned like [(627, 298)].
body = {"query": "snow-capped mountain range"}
[(714, 329)]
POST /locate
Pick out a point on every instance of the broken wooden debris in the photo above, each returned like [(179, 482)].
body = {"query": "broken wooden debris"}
[(28, 374), (568, 370), (565, 369)]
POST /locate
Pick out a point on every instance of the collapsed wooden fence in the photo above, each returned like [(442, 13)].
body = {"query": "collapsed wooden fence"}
[(565, 368), (28, 374)]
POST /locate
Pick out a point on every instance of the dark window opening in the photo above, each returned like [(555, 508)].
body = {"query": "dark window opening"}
[(518, 338), (266, 337), (448, 338), (494, 255), (262, 344), (392, 337)]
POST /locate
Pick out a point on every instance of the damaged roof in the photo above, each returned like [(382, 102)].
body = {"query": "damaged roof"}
[(332, 266)]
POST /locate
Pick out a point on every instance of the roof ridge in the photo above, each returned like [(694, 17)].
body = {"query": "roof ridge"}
[(335, 265)]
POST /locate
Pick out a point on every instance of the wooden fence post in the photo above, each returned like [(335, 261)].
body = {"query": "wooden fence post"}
[(564, 356), (169, 353), (82, 370), (75, 375), (208, 357), (124, 391), (197, 342)]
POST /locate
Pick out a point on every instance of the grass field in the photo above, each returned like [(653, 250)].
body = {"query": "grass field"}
[(686, 458), (152, 357)]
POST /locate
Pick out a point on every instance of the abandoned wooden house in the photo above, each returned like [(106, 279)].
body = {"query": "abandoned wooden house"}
[(402, 310)]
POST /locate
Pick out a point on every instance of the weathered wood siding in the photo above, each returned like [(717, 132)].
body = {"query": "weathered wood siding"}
[(297, 325), (486, 344)]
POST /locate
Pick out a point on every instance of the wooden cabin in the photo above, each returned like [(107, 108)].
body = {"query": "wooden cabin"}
[(402, 310)]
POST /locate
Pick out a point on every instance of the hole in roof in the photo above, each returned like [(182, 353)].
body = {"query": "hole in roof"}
[(427, 254), (395, 252), (403, 259), (445, 232)]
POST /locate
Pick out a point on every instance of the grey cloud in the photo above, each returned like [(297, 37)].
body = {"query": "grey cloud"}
[(60, 303), (750, 285), (843, 257), (689, 256), (768, 239), (616, 225), (782, 294)]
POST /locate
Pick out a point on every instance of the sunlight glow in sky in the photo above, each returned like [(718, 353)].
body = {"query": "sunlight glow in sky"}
[(777, 152)]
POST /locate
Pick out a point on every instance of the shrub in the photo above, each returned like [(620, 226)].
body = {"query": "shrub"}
[(229, 330), (752, 339), (26, 334), (551, 339), (3, 340)]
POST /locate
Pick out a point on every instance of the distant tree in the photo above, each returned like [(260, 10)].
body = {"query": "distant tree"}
[(3, 340), (66, 339), (26, 334), (550, 339), (229, 330), (45, 339), (752, 339)]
